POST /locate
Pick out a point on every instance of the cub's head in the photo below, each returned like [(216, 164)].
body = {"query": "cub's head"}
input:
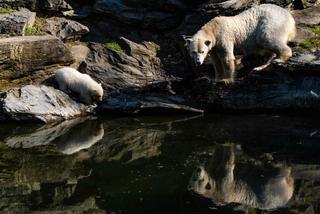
[(199, 46), (97, 93)]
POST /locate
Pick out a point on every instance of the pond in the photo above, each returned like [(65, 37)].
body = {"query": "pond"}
[(165, 164)]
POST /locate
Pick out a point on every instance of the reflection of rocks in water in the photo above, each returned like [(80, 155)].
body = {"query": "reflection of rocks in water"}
[(81, 136), (129, 145), (39, 180), (226, 180), (132, 139), (71, 136)]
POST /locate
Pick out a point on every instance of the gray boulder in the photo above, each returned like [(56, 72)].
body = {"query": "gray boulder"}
[(15, 23), (54, 5), (21, 55), (42, 104), (65, 29), (30, 4)]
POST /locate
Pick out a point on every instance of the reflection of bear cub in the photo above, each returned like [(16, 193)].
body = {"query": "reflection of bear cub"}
[(225, 180), (81, 84), (261, 30)]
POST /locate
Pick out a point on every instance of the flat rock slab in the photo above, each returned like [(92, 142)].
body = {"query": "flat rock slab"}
[(65, 29), (15, 23), (23, 54), (42, 104)]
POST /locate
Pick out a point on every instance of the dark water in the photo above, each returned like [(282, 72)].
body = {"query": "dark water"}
[(212, 164)]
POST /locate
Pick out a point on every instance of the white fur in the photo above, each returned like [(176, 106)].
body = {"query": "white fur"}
[(81, 84), (263, 30)]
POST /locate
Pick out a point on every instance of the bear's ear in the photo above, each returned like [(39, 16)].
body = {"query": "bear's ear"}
[(207, 43), (188, 41)]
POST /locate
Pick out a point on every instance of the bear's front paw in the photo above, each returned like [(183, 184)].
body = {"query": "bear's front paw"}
[(225, 81), (278, 61)]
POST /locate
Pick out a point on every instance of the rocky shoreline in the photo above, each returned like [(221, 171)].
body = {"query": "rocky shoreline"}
[(135, 49)]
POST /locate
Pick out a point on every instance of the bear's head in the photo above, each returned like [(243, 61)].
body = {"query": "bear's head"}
[(201, 183), (97, 93), (199, 46)]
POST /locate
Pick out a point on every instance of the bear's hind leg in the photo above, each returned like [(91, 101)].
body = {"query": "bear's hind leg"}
[(269, 56), (283, 52)]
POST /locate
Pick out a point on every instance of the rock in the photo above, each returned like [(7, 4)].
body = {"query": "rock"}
[(15, 23), (301, 4), (303, 33), (213, 8), (140, 16), (54, 5), (21, 55), (65, 29), (147, 105), (294, 85), (309, 16), (79, 53), (116, 70), (41, 104), (30, 4)]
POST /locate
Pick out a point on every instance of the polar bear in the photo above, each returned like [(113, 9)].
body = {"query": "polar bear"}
[(81, 84), (262, 30), (225, 180)]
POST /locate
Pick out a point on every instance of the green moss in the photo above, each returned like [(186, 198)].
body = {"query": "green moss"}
[(6, 9), (112, 45), (316, 29), (37, 29), (311, 43), (31, 31)]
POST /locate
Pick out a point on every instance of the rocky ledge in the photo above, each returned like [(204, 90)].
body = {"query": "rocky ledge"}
[(42, 104)]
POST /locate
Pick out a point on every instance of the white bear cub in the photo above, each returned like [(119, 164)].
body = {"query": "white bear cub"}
[(82, 84)]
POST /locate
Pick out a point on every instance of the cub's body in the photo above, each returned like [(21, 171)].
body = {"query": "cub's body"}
[(81, 84)]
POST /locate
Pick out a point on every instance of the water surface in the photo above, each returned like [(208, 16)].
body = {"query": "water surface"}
[(212, 164)]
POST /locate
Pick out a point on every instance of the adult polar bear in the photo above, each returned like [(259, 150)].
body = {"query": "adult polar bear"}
[(261, 30)]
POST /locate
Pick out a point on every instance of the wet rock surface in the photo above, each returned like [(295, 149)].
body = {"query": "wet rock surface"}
[(41, 103)]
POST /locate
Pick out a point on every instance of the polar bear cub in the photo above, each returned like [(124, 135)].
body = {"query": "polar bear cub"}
[(79, 83), (262, 30)]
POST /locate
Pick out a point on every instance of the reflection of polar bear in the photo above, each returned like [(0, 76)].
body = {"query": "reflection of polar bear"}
[(81, 84), (82, 136), (259, 186), (261, 30)]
